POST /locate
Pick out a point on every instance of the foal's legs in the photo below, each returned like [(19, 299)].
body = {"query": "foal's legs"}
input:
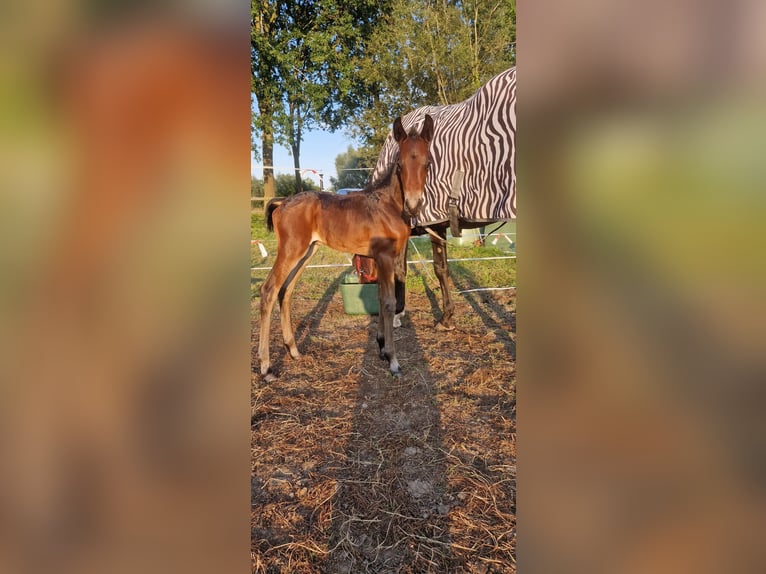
[(387, 304), (289, 255), (439, 248), (285, 299), (400, 278)]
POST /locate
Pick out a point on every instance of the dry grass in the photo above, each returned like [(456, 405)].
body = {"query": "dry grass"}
[(356, 471)]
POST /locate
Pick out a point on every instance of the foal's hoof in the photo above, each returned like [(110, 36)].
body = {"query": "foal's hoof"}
[(293, 351), (269, 377), (445, 326)]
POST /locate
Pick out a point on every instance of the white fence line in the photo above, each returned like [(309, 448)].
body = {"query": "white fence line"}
[(486, 289), (421, 237), (413, 262)]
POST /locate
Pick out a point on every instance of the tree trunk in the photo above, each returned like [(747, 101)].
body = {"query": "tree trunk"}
[(295, 144), (267, 145), (297, 165), (269, 185)]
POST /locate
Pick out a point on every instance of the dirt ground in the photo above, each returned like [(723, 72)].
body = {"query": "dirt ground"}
[(356, 471)]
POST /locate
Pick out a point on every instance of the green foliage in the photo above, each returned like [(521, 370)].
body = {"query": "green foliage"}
[(256, 187), (285, 185), (350, 167), (304, 55), (431, 52), (357, 65)]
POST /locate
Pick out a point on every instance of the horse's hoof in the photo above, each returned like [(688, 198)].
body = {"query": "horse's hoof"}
[(269, 377), (397, 373), (292, 350), (445, 327)]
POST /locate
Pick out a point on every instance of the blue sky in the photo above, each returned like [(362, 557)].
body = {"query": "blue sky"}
[(318, 151)]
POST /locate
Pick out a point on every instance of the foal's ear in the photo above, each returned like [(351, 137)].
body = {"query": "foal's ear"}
[(399, 134), (427, 133)]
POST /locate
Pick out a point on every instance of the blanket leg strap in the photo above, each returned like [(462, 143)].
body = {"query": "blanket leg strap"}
[(454, 195)]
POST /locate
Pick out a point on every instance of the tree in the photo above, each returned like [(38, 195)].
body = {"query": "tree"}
[(333, 64), (283, 185), (305, 55), (264, 82), (431, 52), (256, 187), (286, 185), (353, 170)]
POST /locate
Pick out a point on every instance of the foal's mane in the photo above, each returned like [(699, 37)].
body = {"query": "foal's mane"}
[(382, 181)]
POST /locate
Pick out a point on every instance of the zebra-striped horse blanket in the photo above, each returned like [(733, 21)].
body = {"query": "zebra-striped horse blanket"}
[(473, 152)]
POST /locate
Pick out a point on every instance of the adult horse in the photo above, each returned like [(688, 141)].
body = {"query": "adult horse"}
[(373, 222), (473, 178)]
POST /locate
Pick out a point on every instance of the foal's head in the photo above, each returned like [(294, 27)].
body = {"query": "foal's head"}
[(413, 162)]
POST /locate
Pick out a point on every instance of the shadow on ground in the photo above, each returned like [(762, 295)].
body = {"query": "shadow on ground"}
[(494, 315), (307, 322), (356, 471), (391, 505)]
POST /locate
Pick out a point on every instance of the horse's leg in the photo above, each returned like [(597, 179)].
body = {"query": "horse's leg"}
[(268, 296), (400, 279), (439, 248), (285, 297), (387, 304), (288, 255)]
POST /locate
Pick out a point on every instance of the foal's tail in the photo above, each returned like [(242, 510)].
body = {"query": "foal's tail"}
[(270, 207)]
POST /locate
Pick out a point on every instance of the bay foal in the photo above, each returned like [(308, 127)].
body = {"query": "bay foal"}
[(374, 222)]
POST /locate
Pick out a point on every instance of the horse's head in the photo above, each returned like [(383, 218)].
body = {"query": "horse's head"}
[(412, 166)]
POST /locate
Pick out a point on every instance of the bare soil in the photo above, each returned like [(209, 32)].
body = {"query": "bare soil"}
[(356, 471)]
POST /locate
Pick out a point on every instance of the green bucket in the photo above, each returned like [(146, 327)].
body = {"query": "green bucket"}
[(359, 298)]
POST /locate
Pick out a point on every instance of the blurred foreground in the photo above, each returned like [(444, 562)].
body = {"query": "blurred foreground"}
[(124, 332), (641, 302), (124, 340)]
